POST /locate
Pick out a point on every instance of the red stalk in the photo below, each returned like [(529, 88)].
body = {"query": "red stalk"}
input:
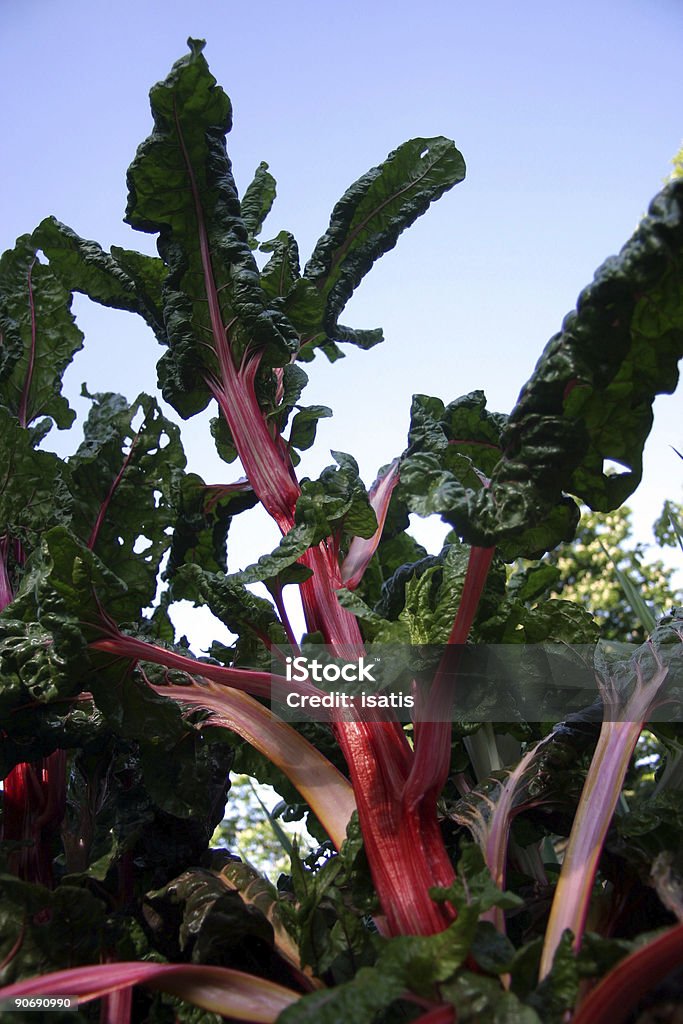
[(6, 592), (616, 996), (34, 804), (433, 738), (404, 846), (258, 684), (403, 840), (267, 468), (361, 549)]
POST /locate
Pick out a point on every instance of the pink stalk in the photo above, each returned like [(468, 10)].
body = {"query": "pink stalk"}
[(267, 466), (361, 549), (324, 788), (264, 462), (405, 850), (6, 593), (433, 738), (406, 856), (616, 996), (220, 990), (623, 723), (259, 684)]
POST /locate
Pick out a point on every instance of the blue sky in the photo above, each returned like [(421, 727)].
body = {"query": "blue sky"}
[(567, 117)]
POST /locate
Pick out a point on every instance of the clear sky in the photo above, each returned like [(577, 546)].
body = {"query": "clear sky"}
[(567, 116)]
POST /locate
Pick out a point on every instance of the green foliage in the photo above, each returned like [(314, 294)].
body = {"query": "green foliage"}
[(587, 574)]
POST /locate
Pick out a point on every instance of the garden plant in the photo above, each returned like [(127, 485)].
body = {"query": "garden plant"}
[(521, 868)]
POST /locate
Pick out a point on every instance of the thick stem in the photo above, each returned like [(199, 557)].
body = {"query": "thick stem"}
[(6, 592)]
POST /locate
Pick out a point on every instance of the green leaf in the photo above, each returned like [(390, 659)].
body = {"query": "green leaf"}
[(281, 273), (290, 549), (252, 618), (432, 598), (590, 397), (123, 479), (181, 187), (415, 964), (338, 499), (370, 216), (453, 450), (305, 425), (474, 889), (557, 993), (40, 337), (203, 515), (216, 926), (122, 279), (33, 494), (57, 929), (479, 998), (257, 201)]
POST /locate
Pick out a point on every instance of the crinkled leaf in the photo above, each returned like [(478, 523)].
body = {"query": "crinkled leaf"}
[(415, 964), (452, 452), (337, 499), (122, 279), (252, 618), (39, 336), (473, 888), (281, 272), (122, 479), (257, 201), (203, 517), (290, 549), (479, 998), (216, 926), (57, 929), (40, 662), (370, 216), (33, 495), (557, 993), (257, 891), (432, 598), (181, 186), (590, 397)]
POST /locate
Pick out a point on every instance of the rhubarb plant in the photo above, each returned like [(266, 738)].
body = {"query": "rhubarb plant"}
[(469, 867)]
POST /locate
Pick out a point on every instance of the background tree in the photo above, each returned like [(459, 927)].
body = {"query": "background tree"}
[(589, 571)]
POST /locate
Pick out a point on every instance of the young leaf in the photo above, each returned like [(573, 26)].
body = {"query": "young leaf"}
[(257, 201), (372, 213)]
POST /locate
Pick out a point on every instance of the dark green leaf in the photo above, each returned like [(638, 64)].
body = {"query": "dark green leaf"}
[(257, 201), (181, 186), (123, 479), (122, 279), (368, 219), (39, 334)]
